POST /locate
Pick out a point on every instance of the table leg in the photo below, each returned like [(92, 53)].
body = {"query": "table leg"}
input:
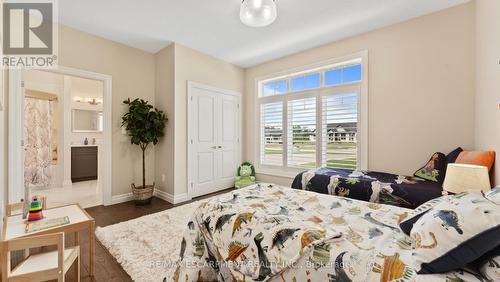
[(1, 261), (77, 239), (91, 248)]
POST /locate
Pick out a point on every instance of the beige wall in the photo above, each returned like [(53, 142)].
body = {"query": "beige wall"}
[(133, 73), (421, 88), (191, 65), (3, 144), (488, 78), (164, 100)]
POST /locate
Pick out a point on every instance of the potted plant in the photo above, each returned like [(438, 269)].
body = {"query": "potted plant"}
[(144, 125)]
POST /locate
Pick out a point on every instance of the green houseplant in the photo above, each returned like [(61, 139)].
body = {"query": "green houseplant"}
[(145, 125)]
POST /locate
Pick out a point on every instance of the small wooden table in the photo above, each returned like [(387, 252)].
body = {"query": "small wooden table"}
[(79, 220)]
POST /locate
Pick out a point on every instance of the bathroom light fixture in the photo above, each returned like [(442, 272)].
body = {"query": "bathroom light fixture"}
[(91, 101), (94, 102), (258, 13)]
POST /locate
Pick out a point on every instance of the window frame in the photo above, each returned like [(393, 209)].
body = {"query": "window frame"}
[(361, 87)]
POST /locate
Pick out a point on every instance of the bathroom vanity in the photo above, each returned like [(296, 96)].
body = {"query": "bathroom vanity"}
[(84, 165)]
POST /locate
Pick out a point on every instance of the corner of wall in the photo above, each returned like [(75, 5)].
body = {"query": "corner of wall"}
[(487, 85), (164, 100)]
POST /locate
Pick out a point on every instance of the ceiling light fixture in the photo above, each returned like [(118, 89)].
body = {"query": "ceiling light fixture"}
[(258, 13)]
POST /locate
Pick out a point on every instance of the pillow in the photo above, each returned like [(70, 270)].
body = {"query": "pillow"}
[(494, 195), (489, 265), (417, 213), (455, 232), (483, 158), (407, 224), (434, 169), (453, 155)]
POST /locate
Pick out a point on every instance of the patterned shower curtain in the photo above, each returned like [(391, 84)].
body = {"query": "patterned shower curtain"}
[(37, 132)]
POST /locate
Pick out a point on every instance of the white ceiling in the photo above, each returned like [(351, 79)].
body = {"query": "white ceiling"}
[(213, 26)]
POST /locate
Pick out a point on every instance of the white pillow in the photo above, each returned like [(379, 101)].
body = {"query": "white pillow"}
[(494, 195), (417, 213), (455, 232), (491, 269)]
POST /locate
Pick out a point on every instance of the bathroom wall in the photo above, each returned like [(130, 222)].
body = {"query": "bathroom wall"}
[(82, 91)]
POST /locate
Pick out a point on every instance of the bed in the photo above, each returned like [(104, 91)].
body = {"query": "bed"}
[(376, 187), (267, 232)]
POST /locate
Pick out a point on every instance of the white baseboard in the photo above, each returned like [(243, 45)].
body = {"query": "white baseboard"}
[(121, 198), (117, 199), (177, 199)]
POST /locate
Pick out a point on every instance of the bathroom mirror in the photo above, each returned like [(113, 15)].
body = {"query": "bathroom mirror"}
[(87, 121)]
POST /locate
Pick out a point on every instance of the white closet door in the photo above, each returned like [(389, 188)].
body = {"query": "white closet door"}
[(229, 138), (214, 122), (205, 138)]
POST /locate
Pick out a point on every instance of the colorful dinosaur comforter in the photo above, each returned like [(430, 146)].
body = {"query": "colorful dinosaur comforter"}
[(376, 187), (270, 233)]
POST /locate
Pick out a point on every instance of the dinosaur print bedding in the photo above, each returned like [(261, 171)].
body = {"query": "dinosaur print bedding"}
[(377, 187), (267, 232)]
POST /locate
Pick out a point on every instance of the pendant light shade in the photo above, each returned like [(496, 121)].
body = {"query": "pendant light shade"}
[(258, 13)]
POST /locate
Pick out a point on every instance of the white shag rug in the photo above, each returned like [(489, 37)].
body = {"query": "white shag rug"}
[(148, 247)]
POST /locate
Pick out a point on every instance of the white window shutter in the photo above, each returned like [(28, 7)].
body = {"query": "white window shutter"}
[(340, 130)]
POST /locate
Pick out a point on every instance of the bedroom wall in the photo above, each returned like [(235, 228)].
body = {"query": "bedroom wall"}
[(3, 144), (133, 73), (164, 100), (191, 65), (487, 78), (421, 88)]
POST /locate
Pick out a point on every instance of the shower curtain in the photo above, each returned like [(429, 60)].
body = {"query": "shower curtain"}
[(37, 135)]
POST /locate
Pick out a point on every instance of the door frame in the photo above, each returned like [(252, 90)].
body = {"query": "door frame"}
[(189, 97), (16, 159)]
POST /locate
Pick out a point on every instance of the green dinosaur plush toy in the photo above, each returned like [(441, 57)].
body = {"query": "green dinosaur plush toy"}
[(246, 175)]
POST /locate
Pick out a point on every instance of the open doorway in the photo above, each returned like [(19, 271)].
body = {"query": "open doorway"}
[(45, 132), (65, 131)]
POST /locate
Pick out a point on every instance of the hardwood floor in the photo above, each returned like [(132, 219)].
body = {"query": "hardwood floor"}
[(106, 267)]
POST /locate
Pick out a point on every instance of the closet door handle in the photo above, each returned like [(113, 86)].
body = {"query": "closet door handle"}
[(219, 147), (214, 147)]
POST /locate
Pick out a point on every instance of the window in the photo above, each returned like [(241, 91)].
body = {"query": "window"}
[(302, 83), (302, 133), (342, 75), (340, 130), (313, 118), (272, 133), (275, 88)]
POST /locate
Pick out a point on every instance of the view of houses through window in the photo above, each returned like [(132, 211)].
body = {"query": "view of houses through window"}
[(311, 120)]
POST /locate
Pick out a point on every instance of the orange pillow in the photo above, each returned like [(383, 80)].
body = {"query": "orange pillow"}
[(482, 158)]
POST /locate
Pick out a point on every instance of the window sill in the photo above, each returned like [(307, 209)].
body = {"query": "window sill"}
[(279, 173)]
